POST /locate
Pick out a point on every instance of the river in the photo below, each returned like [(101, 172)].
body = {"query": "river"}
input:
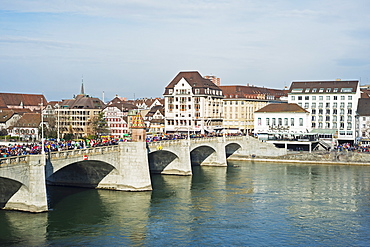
[(244, 204)]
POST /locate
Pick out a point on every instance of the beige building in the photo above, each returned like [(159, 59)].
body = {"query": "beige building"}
[(76, 116), (241, 102)]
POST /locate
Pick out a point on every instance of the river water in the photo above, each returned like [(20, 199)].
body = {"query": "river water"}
[(244, 204)]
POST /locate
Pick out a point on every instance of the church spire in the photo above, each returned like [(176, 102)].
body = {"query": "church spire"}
[(82, 87)]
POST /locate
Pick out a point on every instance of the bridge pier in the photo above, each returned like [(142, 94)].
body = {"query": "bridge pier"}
[(31, 196), (218, 158), (134, 167), (181, 165)]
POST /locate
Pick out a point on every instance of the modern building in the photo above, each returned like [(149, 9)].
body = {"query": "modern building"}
[(192, 104), (332, 105), (240, 103), (76, 116)]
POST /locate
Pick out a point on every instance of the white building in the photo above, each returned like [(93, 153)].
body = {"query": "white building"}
[(332, 104), (282, 117), (363, 112), (192, 104)]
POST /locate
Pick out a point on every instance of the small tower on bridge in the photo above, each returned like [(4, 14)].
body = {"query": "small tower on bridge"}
[(138, 128)]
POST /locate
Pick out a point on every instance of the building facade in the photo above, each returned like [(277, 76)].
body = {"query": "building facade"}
[(282, 118), (332, 105), (192, 104), (240, 103)]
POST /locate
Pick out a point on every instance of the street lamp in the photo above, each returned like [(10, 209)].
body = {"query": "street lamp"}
[(42, 128)]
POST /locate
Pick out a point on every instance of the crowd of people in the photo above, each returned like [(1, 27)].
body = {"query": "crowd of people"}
[(52, 146), (164, 137), (354, 148)]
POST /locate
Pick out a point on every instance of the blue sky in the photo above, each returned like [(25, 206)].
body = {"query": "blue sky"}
[(134, 48)]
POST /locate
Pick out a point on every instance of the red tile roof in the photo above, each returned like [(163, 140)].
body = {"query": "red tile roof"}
[(282, 107), (17, 99)]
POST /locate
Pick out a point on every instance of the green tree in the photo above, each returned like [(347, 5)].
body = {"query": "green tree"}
[(100, 126)]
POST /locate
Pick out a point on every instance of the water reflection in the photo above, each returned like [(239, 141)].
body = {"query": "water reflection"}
[(244, 204)]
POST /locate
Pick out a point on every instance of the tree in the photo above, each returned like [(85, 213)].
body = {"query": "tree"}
[(3, 132), (99, 124)]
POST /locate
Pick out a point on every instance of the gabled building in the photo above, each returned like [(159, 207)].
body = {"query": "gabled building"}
[(116, 115), (27, 127), (8, 118), (332, 104), (192, 104), (240, 103)]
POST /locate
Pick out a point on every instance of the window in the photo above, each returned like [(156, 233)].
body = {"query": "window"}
[(313, 97), (346, 90), (321, 97), (327, 105), (349, 111), (341, 104), (349, 97), (328, 90), (313, 125), (280, 121), (307, 90), (273, 121), (321, 90), (314, 90), (327, 118), (349, 105), (286, 122), (267, 121), (335, 125), (299, 97), (320, 118), (320, 105), (292, 97), (297, 90), (313, 105), (327, 111), (300, 121), (335, 90), (306, 105), (335, 105), (307, 97), (292, 122), (334, 118), (342, 97), (327, 125), (320, 111), (335, 97), (313, 111), (313, 118), (327, 97)]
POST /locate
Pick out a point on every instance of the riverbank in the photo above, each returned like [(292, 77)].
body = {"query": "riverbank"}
[(318, 157)]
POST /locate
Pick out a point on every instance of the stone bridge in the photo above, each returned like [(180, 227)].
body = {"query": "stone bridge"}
[(125, 167)]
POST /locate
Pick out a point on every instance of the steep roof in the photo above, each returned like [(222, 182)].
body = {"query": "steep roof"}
[(18, 99), (363, 108), (282, 107), (326, 86), (83, 102), (5, 115), (194, 79), (30, 120)]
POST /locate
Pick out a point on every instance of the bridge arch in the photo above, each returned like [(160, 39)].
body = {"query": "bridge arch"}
[(8, 187), (160, 159), (232, 148), (202, 154), (85, 173)]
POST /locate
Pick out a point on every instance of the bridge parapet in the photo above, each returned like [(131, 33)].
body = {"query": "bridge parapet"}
[(84, 151), (13, 160)]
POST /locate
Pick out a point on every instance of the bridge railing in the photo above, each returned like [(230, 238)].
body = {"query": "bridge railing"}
[(84, 151), (13, 160)]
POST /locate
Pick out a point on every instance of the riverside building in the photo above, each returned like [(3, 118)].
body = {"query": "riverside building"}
[(332, 105), (240, 103), (193, 104)]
